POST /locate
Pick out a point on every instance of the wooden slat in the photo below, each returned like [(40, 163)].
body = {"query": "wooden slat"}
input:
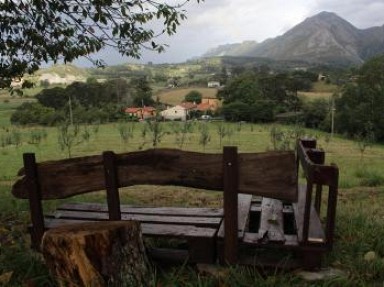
[(256, 207), (271, 220), (244, 204), (150, 229), (85, 215), (255, 239), (164, 211), (315, 232), (270, 174)]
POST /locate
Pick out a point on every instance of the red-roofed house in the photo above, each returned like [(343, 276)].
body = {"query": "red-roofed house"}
[(141, 113), (208, 104), (188, 105)]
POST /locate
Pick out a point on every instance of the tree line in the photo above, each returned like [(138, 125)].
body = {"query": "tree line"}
[(259, 97), (88, 102)]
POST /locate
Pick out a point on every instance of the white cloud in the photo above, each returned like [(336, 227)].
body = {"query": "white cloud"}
[(216, 22)]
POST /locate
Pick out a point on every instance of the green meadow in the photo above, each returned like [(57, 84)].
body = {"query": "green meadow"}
[(360, 216)]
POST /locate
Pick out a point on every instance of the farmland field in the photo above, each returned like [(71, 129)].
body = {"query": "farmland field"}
[(359, 226), (176, 96)]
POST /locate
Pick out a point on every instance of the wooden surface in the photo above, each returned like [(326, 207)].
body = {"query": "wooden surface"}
[(271, 221), (129, 209), (97, 254), (148, 218), (230, 166), (112, 185), (315, 232), (35, 204), (161, 230), (196, 225), (162, 221), (243, 207), (319, 174), (270, 174)]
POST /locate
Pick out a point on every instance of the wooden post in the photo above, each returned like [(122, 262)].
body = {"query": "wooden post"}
[(231, 174), (307, 210), (318, 157), (36, 209), (97, 254), (331, 210), (111, 185)]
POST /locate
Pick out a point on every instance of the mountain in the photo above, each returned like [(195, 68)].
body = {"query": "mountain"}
[(237, 49), (324, 38)]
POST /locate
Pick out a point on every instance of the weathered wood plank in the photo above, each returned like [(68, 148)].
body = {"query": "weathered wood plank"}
[(230, 166), (315, 231), (100, 216), (270, 174), (256, 207), (149, 229), (244, 204), (35, 205), (255, 239), (173, 211), (320, 174), (271, 220), (111, 185)]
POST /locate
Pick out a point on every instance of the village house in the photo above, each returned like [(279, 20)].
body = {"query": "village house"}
[(213, 84), (211, 104), (178, 113), (141, 113)]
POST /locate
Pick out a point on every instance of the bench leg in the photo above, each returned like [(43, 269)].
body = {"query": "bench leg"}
[(311, 259)]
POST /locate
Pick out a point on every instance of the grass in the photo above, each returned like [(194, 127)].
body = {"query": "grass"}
[(320, 90), (177, 95), (359, 226)]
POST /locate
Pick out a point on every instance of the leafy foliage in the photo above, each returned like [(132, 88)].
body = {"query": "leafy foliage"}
[(142, 92), (89, 102), (258, 97), (193, 97), (362, 103), (34, 113), (34, 32), (315, 114)]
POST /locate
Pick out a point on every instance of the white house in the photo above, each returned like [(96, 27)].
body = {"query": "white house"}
[(213, 84), (175, 113)]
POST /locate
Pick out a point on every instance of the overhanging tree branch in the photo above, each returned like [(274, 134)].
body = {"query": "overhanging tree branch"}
[(39, 31)]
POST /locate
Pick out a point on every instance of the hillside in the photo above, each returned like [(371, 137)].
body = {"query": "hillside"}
[(323, 38)]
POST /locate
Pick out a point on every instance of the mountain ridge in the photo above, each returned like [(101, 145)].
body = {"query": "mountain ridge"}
[(322, 38)]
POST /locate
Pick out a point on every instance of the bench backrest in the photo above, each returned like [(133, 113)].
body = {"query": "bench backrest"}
[(271, 174)]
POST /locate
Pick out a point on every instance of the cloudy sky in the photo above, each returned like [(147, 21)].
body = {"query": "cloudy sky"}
[(216, 22)]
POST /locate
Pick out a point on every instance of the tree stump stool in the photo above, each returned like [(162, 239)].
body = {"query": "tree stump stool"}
[(109, 253)]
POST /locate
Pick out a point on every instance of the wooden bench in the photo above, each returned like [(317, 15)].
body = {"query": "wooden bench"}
[(260, 194)]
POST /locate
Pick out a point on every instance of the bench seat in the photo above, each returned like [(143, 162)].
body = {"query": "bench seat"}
[(197, 226)]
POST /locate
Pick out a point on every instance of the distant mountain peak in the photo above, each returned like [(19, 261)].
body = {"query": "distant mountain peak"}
[(324, 38)]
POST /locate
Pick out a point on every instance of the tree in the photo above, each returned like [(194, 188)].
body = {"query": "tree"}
[(362, 103), (244, 88), (142, 92), (34, 114), (193, 97), (315, 113), (55, 98), (36, 32)]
